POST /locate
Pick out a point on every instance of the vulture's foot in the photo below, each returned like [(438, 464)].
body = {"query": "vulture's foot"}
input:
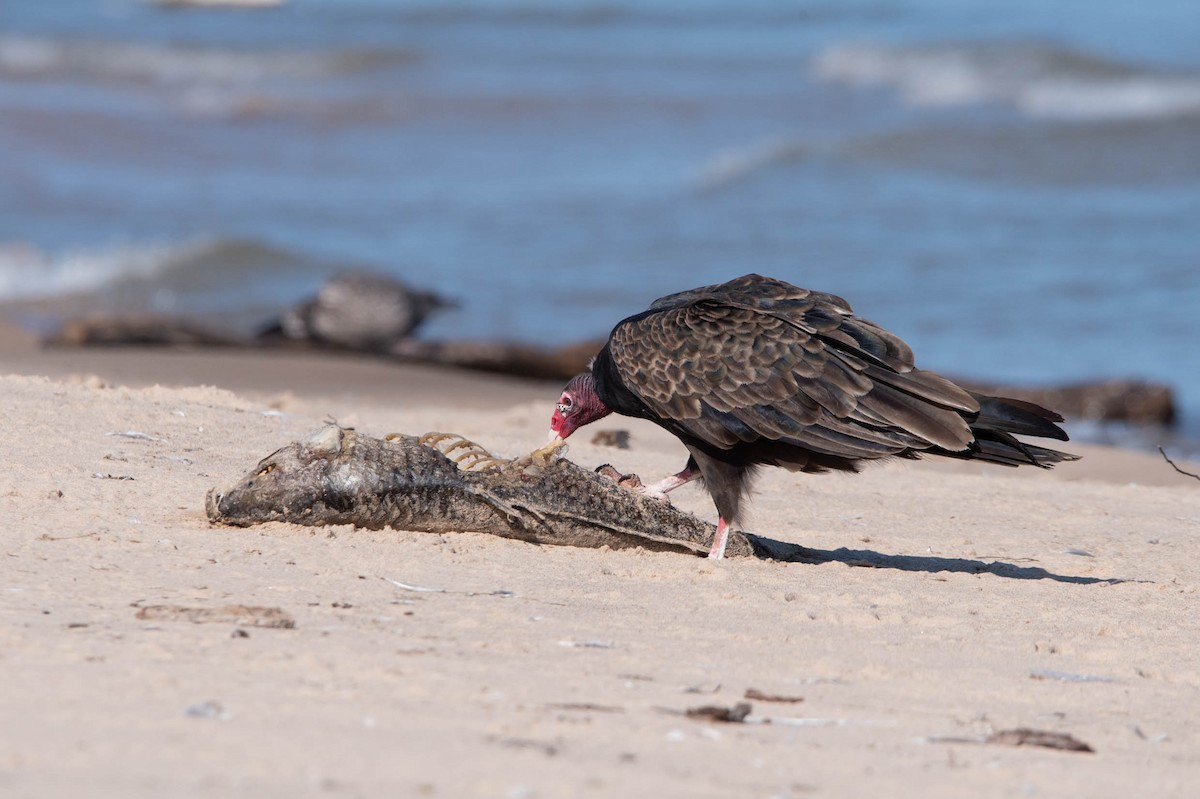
[(631, 482)]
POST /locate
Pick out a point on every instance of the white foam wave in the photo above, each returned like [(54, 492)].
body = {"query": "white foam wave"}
[(1038, 80), (733, 165), (1135, 98), (41, 58), (27, 272)]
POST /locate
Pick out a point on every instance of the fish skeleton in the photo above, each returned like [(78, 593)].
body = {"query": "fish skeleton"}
[(442, 483)]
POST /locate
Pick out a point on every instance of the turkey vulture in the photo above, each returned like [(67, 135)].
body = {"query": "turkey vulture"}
[(757, 371)]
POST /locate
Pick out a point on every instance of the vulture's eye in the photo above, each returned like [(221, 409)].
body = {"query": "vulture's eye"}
[(565, 404)]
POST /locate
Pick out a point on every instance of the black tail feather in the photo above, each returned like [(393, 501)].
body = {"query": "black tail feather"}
[(1001, 448), (1005, 415), (994, 427)]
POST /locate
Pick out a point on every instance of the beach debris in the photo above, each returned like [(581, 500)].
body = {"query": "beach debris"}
[(1023, 736), (763, 696), (584, 707), (1154, 739), (99, 476), (417, 588), (803, 721), (212, 709), (134, 330), (632, 678), (1066, 676), (134, 434), (618, 439), (1020, 736), (735, 714), (240, 615), (48, 537), (704, 688), (500, 592), (532, 744), (588, 644), (338, 476), (1175, 466), (742, 713)]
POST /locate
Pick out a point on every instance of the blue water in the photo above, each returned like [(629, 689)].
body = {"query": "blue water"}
[(1014, 188)]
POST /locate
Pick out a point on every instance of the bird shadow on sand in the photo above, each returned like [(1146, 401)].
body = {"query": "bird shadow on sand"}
[(793, 553)]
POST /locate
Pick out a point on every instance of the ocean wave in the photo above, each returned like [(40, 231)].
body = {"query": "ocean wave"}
[(1133, 153), (31, 58), (1037, 79), (1136, 152), (599, 14), (230, 284), (27, 272), (154, 278), (735, 164)]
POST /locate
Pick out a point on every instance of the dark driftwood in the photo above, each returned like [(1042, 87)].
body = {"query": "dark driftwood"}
[(500, 357), (1134, 401), (140, 331)]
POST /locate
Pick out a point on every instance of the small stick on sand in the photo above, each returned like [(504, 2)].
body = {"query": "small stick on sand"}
[(1163, 452)]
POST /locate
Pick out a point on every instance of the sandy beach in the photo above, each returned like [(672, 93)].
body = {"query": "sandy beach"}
[(947, 602)]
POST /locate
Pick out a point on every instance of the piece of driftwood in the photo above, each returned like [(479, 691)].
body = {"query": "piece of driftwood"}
[(1023, 736), (500, 357), (137, 330), (735, 714), (1116, 400)]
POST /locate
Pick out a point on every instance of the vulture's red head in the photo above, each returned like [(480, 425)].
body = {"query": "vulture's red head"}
[(578, 405)]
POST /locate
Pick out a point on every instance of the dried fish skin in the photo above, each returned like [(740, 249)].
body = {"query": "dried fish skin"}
[(340, 476)]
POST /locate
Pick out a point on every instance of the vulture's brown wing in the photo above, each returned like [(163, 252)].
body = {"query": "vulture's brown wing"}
[(759, 358)]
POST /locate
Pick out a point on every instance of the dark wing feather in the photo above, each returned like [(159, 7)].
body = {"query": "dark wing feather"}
[(758, 358)]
